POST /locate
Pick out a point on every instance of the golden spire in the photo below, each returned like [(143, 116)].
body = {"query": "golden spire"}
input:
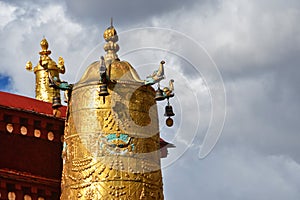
[(111, 47), (44, 46)]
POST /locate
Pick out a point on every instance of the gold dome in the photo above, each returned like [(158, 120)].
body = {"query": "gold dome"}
[(119, 71)]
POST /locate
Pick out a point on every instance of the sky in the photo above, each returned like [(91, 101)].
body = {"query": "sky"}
[(236, 69)]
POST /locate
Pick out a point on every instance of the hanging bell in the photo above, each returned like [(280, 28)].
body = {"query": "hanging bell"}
[(159, 95), (103, 90), (169, 111), (56, 102)]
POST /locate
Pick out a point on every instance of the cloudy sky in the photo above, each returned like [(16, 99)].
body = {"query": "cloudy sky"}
[(250, 48)]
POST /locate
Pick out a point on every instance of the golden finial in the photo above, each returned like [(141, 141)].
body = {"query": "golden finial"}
[(44, 45), (111, 47), (110, 34)]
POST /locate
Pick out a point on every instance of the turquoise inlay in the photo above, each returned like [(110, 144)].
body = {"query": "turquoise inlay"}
[(123, 137), (111, 137)]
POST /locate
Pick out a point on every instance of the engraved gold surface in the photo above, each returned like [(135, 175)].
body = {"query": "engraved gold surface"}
[(112, 143), (46, 65)]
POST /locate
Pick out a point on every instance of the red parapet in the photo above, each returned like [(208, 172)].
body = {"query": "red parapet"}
[(28, 104), (30, 145)]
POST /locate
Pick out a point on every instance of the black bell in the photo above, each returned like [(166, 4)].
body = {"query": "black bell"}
[(103, 90), (56, 102), (159, 95), (169, 111)]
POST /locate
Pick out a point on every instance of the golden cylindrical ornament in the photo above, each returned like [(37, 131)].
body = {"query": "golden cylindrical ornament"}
[(112, 142), (43, 91)]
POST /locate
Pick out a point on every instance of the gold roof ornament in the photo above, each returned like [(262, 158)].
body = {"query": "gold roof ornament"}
[(110, 34), (45, 70), (44, 44), (111, 148), (111, 47)]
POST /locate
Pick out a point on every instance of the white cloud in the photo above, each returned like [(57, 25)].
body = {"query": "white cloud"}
[(233, 173), (21, 35), (254, 45), (6, 14), (240, 32)]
